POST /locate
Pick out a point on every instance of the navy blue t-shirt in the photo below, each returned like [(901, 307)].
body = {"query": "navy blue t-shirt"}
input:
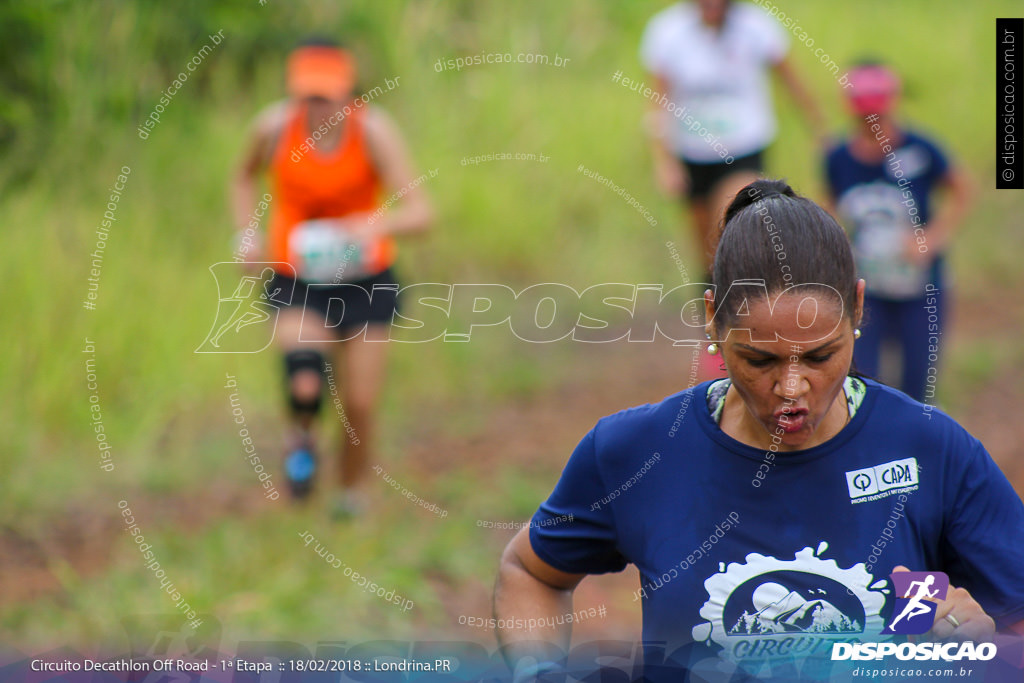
[(757, 559), (883, 203)]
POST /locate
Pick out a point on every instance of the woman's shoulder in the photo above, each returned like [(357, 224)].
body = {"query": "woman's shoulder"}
[(839, 151), (648, 422), (915, 136), (377, 121), (753, 19), (268, 125), (677, 19), (924, 421), (272, 118)]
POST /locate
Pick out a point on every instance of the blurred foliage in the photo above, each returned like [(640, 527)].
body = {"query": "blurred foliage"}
[(79, 68)]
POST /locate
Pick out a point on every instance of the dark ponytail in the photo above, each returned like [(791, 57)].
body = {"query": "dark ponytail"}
[(758, 190), (771, 233)]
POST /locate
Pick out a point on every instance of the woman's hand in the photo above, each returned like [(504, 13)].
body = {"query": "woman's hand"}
[(249, 247), (914, 255), (413, 214), (971, 622), (528, 596), (959, 617), (671, 177)]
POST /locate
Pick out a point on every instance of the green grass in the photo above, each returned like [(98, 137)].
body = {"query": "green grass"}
[(165, 410)]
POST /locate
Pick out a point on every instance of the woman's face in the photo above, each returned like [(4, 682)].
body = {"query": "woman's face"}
[(322, 109), (712, 12), (787, 360)]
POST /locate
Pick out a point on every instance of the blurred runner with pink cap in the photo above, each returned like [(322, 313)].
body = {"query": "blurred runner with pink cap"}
[(882, 181)]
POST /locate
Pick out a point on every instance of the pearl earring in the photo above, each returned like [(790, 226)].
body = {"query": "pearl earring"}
[(856, 333), (712, 347)]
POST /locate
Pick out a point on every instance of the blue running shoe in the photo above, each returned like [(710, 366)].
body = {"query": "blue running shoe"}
[(299, 468)]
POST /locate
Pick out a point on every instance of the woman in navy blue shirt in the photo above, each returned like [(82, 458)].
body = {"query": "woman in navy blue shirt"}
[(766, 511), (882, 181)]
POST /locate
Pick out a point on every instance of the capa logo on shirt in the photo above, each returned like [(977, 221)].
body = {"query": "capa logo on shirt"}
[(881, 481)]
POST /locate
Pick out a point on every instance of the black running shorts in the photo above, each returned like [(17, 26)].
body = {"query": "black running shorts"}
[(704, 177), (347, 305)]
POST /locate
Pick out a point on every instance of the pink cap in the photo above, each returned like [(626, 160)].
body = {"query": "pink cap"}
[(872, 90)]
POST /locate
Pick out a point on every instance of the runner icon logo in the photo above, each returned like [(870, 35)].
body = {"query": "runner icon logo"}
[(245, 300), (916, 593)]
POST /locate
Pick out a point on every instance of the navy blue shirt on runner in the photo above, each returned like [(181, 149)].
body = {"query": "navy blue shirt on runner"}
[(882, 204), (758, 562)]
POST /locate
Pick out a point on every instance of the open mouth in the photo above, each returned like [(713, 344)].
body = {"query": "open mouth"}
[(790, 419)]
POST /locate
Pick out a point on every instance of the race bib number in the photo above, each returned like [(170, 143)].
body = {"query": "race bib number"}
[(323, 252), (720, 114)]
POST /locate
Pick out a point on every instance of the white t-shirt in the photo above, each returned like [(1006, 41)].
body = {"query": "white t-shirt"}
[(721, 78)]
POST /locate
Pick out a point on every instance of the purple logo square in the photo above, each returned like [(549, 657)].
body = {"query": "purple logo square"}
[(915, 594)]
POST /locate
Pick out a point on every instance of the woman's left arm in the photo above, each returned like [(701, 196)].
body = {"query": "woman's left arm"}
[(982, 547), (940, 229), (973, 624), (805, 102), (413, 213)]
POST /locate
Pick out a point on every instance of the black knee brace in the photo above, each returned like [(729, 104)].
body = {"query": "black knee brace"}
[(299, 361)]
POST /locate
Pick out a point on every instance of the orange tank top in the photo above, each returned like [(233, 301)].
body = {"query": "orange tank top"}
[(313, 184)]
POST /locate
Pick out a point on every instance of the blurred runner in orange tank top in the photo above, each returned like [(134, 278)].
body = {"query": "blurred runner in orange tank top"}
[(329, 156)]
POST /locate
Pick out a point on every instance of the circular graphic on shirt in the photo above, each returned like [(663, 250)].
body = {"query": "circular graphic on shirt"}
[(881, 218), (768, 610), (792, 602)]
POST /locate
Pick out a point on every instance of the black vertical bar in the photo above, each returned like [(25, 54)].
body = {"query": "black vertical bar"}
[(1009, 104)]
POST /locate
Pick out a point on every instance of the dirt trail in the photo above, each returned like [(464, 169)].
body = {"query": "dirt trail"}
[(83, 538), (538, 433), (604, 378)]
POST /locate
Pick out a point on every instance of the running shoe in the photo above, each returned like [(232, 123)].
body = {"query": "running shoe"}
[(299, 468), (347, 505)]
